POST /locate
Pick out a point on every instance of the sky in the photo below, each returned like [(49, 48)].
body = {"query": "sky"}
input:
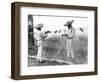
[(53, 23)]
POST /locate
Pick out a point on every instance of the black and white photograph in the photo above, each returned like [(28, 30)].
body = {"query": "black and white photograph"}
[(57, 40), (50, 40)]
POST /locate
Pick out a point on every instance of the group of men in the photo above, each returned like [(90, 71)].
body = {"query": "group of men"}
[(41, 36)]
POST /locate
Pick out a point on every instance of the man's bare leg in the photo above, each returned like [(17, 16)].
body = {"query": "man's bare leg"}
[(68, 53), (72, 54)]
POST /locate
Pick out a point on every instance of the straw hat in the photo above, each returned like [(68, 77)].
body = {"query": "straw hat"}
[(68, 23), (39, 26)]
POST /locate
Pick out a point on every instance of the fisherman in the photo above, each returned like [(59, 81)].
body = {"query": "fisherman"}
[(40, 36), (69, 37)]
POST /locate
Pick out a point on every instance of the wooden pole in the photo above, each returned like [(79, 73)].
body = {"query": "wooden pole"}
[(30, 31)]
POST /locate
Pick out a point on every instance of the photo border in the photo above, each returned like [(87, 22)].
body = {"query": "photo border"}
[(15, 39)]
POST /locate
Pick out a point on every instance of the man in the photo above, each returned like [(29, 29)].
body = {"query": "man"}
[(40, 36), (69, 36)]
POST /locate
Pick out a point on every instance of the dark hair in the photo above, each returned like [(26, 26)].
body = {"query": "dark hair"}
[(69, 26), (39, 29)]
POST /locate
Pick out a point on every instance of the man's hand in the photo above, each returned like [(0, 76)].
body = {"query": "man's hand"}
[(64, 35), (46, 32)]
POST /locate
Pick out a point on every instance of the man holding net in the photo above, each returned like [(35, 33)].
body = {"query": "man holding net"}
[(40, 36), (69, 35)]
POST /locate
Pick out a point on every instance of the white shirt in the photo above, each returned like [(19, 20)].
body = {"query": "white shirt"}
[(70, 33), (39, 35)]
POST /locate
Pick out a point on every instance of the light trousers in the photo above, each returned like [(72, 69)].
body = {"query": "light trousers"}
[(40, 51), (69, 48)]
